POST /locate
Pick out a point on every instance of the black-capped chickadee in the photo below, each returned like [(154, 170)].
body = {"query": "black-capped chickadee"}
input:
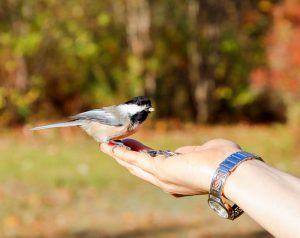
[(110, 124)]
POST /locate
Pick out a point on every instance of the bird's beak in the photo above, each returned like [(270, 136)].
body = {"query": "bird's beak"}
[(151, 109)]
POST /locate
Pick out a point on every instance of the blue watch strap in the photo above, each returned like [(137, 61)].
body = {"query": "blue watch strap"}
[(223, 171), (234, 160)]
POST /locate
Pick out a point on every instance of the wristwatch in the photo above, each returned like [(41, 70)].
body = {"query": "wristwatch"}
[(215, 199)]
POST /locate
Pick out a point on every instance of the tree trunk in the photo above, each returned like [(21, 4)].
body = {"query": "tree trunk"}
[(21, 78), (199, 84), (138, 37)]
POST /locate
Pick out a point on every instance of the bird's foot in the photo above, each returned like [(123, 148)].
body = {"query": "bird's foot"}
[(165, 153), (119, 143)]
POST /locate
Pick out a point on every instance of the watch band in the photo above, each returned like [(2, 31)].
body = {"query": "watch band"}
[(216, 188)]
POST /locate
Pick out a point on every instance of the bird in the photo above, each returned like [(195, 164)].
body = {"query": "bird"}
[(112, 123)]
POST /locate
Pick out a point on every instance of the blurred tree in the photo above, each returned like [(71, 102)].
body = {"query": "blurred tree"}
[(138, 37), (211, 47), (282, 74), (193, 57)]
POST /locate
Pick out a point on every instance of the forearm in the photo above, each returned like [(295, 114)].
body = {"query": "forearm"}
[(268, 195)]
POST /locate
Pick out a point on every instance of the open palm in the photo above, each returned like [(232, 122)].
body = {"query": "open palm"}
[(188, 173)]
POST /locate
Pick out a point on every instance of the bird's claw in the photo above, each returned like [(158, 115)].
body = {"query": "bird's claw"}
[(118, 143)]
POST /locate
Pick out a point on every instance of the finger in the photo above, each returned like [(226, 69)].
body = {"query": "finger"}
[(107, 148), (142, 160), (135, 145), (220, 142), (172, 189), (138, 172)]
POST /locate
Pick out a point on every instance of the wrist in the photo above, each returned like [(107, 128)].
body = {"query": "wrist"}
[(241, 177), (225, 169)]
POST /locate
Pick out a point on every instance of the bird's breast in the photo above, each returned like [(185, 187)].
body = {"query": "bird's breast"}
[(103, 133)]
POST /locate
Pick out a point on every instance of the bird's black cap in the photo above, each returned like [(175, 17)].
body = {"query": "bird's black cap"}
[(140, 100)]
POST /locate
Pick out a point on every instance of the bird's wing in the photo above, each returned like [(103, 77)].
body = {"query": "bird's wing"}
[(105, 116)]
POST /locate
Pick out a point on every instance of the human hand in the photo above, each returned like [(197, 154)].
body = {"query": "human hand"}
[(188, 173)]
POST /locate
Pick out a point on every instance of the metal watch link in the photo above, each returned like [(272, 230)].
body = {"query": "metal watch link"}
[(215, 200)]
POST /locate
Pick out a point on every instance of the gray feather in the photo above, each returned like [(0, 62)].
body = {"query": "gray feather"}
[(107, 116), (60, 124)]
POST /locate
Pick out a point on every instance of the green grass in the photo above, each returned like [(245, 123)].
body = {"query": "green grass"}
[(58, 184)]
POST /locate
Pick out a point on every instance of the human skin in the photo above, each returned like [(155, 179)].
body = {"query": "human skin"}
[(268, 195)]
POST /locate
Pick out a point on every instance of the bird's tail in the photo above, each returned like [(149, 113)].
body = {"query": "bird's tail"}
[(60, 124)]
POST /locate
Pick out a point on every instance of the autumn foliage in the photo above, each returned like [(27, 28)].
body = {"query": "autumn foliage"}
[(201, 61), (283, 51)]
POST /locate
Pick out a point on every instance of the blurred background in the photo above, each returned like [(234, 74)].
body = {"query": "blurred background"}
[(224, 68)]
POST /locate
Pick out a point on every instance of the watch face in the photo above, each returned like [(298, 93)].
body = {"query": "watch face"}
[(218, 208)]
